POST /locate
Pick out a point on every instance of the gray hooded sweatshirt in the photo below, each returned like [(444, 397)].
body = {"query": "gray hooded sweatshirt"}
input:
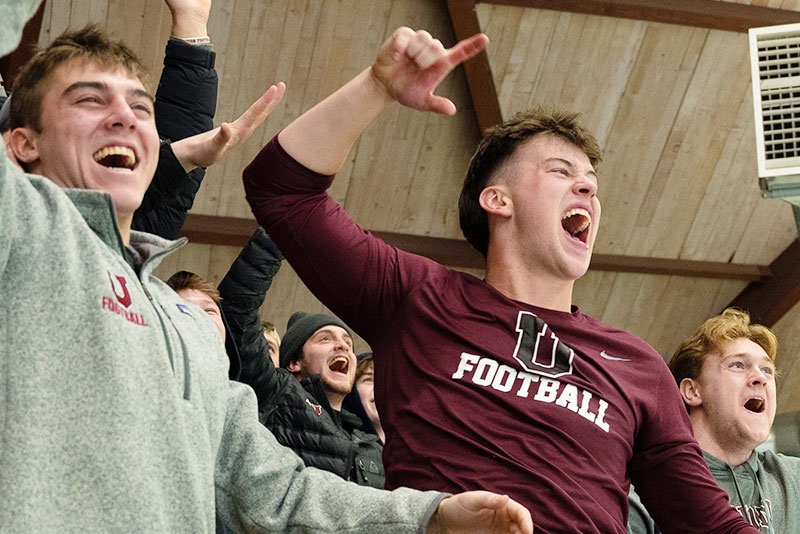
[(765, 490), (116, 413)]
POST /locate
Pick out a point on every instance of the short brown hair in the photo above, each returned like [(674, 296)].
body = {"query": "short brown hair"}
[(190, 280), (365, 362), (496, 148), (91, 45), (730, 325)]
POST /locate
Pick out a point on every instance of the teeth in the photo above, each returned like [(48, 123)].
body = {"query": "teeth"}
[(116, 156), (339, 364), (583, 222)]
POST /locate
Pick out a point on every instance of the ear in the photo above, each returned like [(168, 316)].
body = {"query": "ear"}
[(23, 146), (495, 200), (690, 392), (293, 367)]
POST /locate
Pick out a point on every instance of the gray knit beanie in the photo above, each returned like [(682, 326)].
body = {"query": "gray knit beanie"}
[(300, 327)]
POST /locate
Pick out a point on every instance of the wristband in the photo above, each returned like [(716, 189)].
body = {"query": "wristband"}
[(196, 40)]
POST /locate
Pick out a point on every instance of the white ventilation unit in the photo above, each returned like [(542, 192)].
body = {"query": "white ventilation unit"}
[(775, 69)]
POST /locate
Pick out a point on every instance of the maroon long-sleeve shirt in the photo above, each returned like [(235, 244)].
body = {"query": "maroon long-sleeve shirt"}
[(478, 391)]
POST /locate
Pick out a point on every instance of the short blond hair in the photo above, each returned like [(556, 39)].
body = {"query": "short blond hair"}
[(730, 325)]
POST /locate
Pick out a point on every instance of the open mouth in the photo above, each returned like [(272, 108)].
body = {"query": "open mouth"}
[(116, 157), (340, 364), (755, 405), (576, 222)]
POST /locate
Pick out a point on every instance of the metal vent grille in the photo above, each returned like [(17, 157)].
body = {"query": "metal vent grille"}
[(775, 68)]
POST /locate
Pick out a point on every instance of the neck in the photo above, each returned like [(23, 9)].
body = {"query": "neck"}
[(124, 224), (733, 454), (379, 430), (530, 287), (334, 399)]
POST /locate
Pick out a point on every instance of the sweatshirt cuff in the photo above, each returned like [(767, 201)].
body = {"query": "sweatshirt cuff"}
[(180, 50), (432, 509)]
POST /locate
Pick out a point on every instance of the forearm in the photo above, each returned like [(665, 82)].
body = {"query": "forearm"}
[(186, 97), (243, 290), (321, 138), (189, 19)]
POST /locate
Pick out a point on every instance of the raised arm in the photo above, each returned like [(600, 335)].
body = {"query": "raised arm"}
[(186, 101), (205, 149), (243, 290), (408, 69), (189, 18)]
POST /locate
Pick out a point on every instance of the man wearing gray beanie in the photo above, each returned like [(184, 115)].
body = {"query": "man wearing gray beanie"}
[(317, 349), (301, 402), (300, 327)]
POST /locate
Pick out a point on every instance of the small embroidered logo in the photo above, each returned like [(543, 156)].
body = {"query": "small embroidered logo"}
[(125, 298), (121, 301), (613, 358), (317, 408)]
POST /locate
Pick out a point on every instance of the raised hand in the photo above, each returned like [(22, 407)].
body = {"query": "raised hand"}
[(205, 149), (477, 512), (411, 64), (189, 17)]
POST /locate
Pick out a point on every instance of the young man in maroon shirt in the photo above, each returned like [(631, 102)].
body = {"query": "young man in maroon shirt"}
[(500, 382)]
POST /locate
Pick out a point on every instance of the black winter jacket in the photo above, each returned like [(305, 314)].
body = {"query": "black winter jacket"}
[(186, 100), (297, 412)]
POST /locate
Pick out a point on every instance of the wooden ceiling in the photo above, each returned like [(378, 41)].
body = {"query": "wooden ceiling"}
[(665, 86)]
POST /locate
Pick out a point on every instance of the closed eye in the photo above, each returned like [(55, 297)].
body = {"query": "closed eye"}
[(91, 99), (144, 109)]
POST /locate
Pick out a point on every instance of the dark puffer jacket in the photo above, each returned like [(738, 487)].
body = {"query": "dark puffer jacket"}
[(186, 100), (297, 412)]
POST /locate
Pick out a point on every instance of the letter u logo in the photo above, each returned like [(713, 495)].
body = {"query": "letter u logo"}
[(125, 297), (539, 350)]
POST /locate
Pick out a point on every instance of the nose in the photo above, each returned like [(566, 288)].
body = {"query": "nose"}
[(758, 376), (341, 343), (585, 185), (121, 114)]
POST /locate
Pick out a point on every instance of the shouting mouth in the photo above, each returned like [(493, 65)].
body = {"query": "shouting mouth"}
[(755, 405), (576, 223), (116, 157), (339, 364)]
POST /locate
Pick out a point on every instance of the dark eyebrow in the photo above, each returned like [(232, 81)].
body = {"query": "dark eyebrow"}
[(569, 164), (102, 87)]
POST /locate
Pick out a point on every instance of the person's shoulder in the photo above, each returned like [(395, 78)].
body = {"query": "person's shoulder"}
[(631, 342), (773, 461)]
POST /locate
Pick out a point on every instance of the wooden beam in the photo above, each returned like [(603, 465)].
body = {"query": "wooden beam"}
[(478, 71), (458, 253), (212, 230), (769, 300), (711, 14)]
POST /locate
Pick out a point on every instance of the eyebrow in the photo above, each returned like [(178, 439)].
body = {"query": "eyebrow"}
[(745, 355), (103, 87), (569, 164), (331, 331)]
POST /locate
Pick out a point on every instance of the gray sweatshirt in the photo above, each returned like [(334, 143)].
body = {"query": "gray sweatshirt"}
[(116, 414), (765, 490)]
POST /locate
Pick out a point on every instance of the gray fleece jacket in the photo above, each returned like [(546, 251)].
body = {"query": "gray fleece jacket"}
[(116, 414), (765, 490)]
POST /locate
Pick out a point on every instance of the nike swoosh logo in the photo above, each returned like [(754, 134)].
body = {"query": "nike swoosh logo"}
[(613, 358)]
